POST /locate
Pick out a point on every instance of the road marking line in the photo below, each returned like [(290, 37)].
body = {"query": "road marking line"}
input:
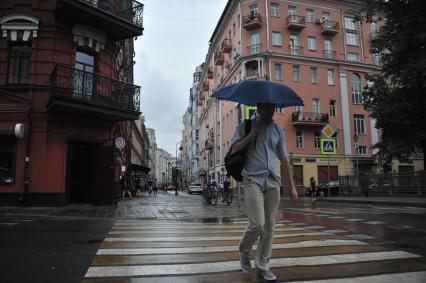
[(302, 244), (406, 277), (214, 267), (375, 222)]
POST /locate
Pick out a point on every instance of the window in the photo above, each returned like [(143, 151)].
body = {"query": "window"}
[(278, 72), (296, 73), (317, 140), (254, 43), (374, 29), (84, 65), (197, 76), (351, 39), (19, 64), (377, 59), (314, 75), (253, 10), (359, 124), (310, 16), (294, 45), (354, 57), (356, 89), (332, 108), (315, 105), (275, 10), (196, 134), (350, 24), (361, 150), (7, 159), (276, 38), (312, 43), (279, 110), (299, 139), (330, 77), (328, 49)]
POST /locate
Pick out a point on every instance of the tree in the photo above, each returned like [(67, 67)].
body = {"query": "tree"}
[(396, 96)]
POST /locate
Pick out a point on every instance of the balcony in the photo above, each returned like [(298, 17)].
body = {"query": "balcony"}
[(295, 50), (329, 27), (210, 73), (330, 54), (205, 86), (82, 92), (226, 46), (252, 21), (219, 58), (254, 49), (295, 22), (209, 144), (120, 19), (309, 119)]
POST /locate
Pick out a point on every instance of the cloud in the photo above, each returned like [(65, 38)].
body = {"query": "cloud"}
[(174, 42)]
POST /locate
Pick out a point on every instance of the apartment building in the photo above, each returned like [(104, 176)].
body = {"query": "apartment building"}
[(66, 85), (319, 50)]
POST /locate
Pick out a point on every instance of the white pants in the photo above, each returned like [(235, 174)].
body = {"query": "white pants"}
[(262, 206)]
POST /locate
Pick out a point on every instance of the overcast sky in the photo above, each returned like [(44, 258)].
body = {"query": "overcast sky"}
[(174, 42)]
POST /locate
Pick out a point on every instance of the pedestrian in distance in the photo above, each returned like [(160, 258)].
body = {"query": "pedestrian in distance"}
[(312, 184), (126, 186), (261, 182)]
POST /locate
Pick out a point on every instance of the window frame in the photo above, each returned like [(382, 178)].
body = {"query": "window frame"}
[(313, 46), (20, 59), (314, 75), (277, 39), (317, 140), (296, 73), (353, 55), (359, 124), (357, 89), (308, 14), (352, 39), (330, 77), (275, 10), (278, 69), (350, 24), (333, 108), (299, 140)]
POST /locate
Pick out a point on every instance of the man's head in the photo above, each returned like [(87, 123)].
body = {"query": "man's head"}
[(266, 111)]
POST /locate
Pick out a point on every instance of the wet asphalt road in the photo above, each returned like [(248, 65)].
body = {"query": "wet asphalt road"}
[(59, 244)]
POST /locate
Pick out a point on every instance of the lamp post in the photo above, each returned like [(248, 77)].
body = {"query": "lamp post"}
[(177, 175)]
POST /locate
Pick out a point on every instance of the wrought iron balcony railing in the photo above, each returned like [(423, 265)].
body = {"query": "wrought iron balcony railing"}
[(299, 117), (129, 10), (99, 90)]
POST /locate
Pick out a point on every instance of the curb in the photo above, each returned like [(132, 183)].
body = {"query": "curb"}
[(375, 202)]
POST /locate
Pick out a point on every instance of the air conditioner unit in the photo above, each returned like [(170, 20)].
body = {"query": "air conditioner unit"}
[(317, 21)]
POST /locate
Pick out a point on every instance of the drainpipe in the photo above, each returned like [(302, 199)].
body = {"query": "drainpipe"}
[(26, 183)]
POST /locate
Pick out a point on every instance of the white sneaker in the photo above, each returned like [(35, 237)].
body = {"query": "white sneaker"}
[(267, 275)]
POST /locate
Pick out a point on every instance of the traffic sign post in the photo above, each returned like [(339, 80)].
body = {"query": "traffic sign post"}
[(328, 147)]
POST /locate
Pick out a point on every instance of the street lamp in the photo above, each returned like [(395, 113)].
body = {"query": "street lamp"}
[(177, 175)]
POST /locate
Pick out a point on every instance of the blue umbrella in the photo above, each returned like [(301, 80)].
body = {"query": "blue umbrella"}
[(250, 92)]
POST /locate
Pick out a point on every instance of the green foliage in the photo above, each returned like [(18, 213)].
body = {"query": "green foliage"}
[(396, 97)]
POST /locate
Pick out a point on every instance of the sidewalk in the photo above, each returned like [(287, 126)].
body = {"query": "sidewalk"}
[(395, 200)]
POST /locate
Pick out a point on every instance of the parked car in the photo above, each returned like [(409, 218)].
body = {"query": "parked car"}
[(195, 188), (322, 189)]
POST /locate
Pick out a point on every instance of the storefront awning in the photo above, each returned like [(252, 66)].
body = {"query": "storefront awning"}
[(140, 168)]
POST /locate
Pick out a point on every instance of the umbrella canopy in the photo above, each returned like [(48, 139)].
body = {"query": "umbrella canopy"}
[(251, 92)]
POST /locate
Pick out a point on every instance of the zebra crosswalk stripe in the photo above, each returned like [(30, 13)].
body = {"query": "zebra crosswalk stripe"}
[(161, 250)]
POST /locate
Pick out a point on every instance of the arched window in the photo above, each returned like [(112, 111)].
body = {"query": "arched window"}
[(356, 89)]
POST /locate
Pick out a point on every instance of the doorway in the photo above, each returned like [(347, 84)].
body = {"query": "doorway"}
[(80, 171), (323, 173)]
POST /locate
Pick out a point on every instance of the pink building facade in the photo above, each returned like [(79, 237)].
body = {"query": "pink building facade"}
[(319, 50)]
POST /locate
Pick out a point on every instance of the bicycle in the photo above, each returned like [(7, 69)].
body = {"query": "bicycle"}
[(226, 194), (210, 194)]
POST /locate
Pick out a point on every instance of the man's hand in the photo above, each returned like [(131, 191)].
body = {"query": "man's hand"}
[(293, 193)]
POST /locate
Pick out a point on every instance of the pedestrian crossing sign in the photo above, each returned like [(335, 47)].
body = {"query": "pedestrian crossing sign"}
[(328, 146), (250, 110)]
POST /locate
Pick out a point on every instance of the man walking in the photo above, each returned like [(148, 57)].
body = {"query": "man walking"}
[(261, 183)]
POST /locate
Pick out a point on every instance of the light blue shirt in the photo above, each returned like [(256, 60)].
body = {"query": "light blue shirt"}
[(262, 152)]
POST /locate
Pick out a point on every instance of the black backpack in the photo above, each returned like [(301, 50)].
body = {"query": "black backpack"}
[(234, 163)]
